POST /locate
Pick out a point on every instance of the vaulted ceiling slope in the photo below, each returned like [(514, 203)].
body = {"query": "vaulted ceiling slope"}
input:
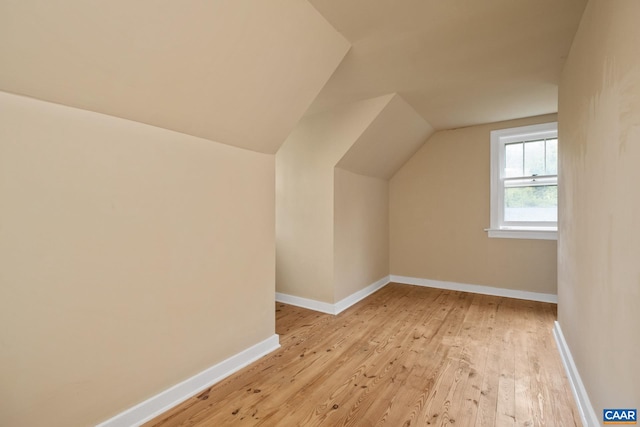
[(391, 138), (457, 63), (372, 137), (243, 72), (240, 72)]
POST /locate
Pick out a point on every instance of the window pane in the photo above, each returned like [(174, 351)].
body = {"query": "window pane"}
[(534, 158), (513, 160), (552, 157), (535, 203)]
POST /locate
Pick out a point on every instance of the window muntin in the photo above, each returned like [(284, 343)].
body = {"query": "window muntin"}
[(530, 182), (524, 186)]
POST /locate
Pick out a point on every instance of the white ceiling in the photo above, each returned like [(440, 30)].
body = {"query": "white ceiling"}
[(456, 62)]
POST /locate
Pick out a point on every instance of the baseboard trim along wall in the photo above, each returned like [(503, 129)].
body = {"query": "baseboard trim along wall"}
[(311, 304), (587, 414), (172, 396), (355, 297), (329, 308), (476, 289), (325, 307)]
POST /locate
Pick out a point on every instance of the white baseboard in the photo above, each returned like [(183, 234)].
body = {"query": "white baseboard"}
[(329, 308), (347, 302), (476, 289), (167, 399), (587, 414), (311, 304)]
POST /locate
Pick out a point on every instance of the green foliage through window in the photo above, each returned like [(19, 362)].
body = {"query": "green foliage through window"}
[(542, 196)]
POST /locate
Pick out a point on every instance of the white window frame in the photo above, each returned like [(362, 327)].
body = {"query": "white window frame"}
[(499, 228)]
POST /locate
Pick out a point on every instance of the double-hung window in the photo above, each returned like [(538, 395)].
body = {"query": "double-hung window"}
[(524, 182)]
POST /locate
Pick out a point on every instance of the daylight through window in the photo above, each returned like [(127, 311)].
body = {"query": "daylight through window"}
[(524, 182)]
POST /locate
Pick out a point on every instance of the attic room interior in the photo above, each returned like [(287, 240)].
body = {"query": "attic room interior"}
[(319, 212)]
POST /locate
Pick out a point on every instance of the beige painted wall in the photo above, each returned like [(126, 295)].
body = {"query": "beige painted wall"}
[(439, 207), (305, 199), (330, 168), (361, 231), (131, 258), (599, 241)]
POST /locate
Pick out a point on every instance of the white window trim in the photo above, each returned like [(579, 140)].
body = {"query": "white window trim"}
[(498, 139)]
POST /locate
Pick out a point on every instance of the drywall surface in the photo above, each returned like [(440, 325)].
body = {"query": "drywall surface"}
[(240, 72), (439, 205), (388, 142), (456, 63), (131, 258), (361, 232), (599, 236), (305, 197)]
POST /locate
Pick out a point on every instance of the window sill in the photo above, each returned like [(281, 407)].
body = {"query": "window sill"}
[(523, 233)]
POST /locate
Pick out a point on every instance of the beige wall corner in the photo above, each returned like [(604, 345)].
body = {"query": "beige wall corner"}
[(333, 167), (305, 197), (439, 207), (599, 234), (361, 232), (124, 254), (205, 68)]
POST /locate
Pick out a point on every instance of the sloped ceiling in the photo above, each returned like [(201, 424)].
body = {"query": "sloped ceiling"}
[(240, 72), (457, 63), (372, 137), (324, 138), (243, 72), (395, 134)]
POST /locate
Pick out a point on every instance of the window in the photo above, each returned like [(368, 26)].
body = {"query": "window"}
[(524, 182)]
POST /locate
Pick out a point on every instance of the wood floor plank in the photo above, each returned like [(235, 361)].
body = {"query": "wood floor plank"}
[(505, 412), (474, 331), (405, 356)]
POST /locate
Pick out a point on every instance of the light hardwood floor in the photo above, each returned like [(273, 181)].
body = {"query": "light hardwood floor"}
[(405, 356)]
